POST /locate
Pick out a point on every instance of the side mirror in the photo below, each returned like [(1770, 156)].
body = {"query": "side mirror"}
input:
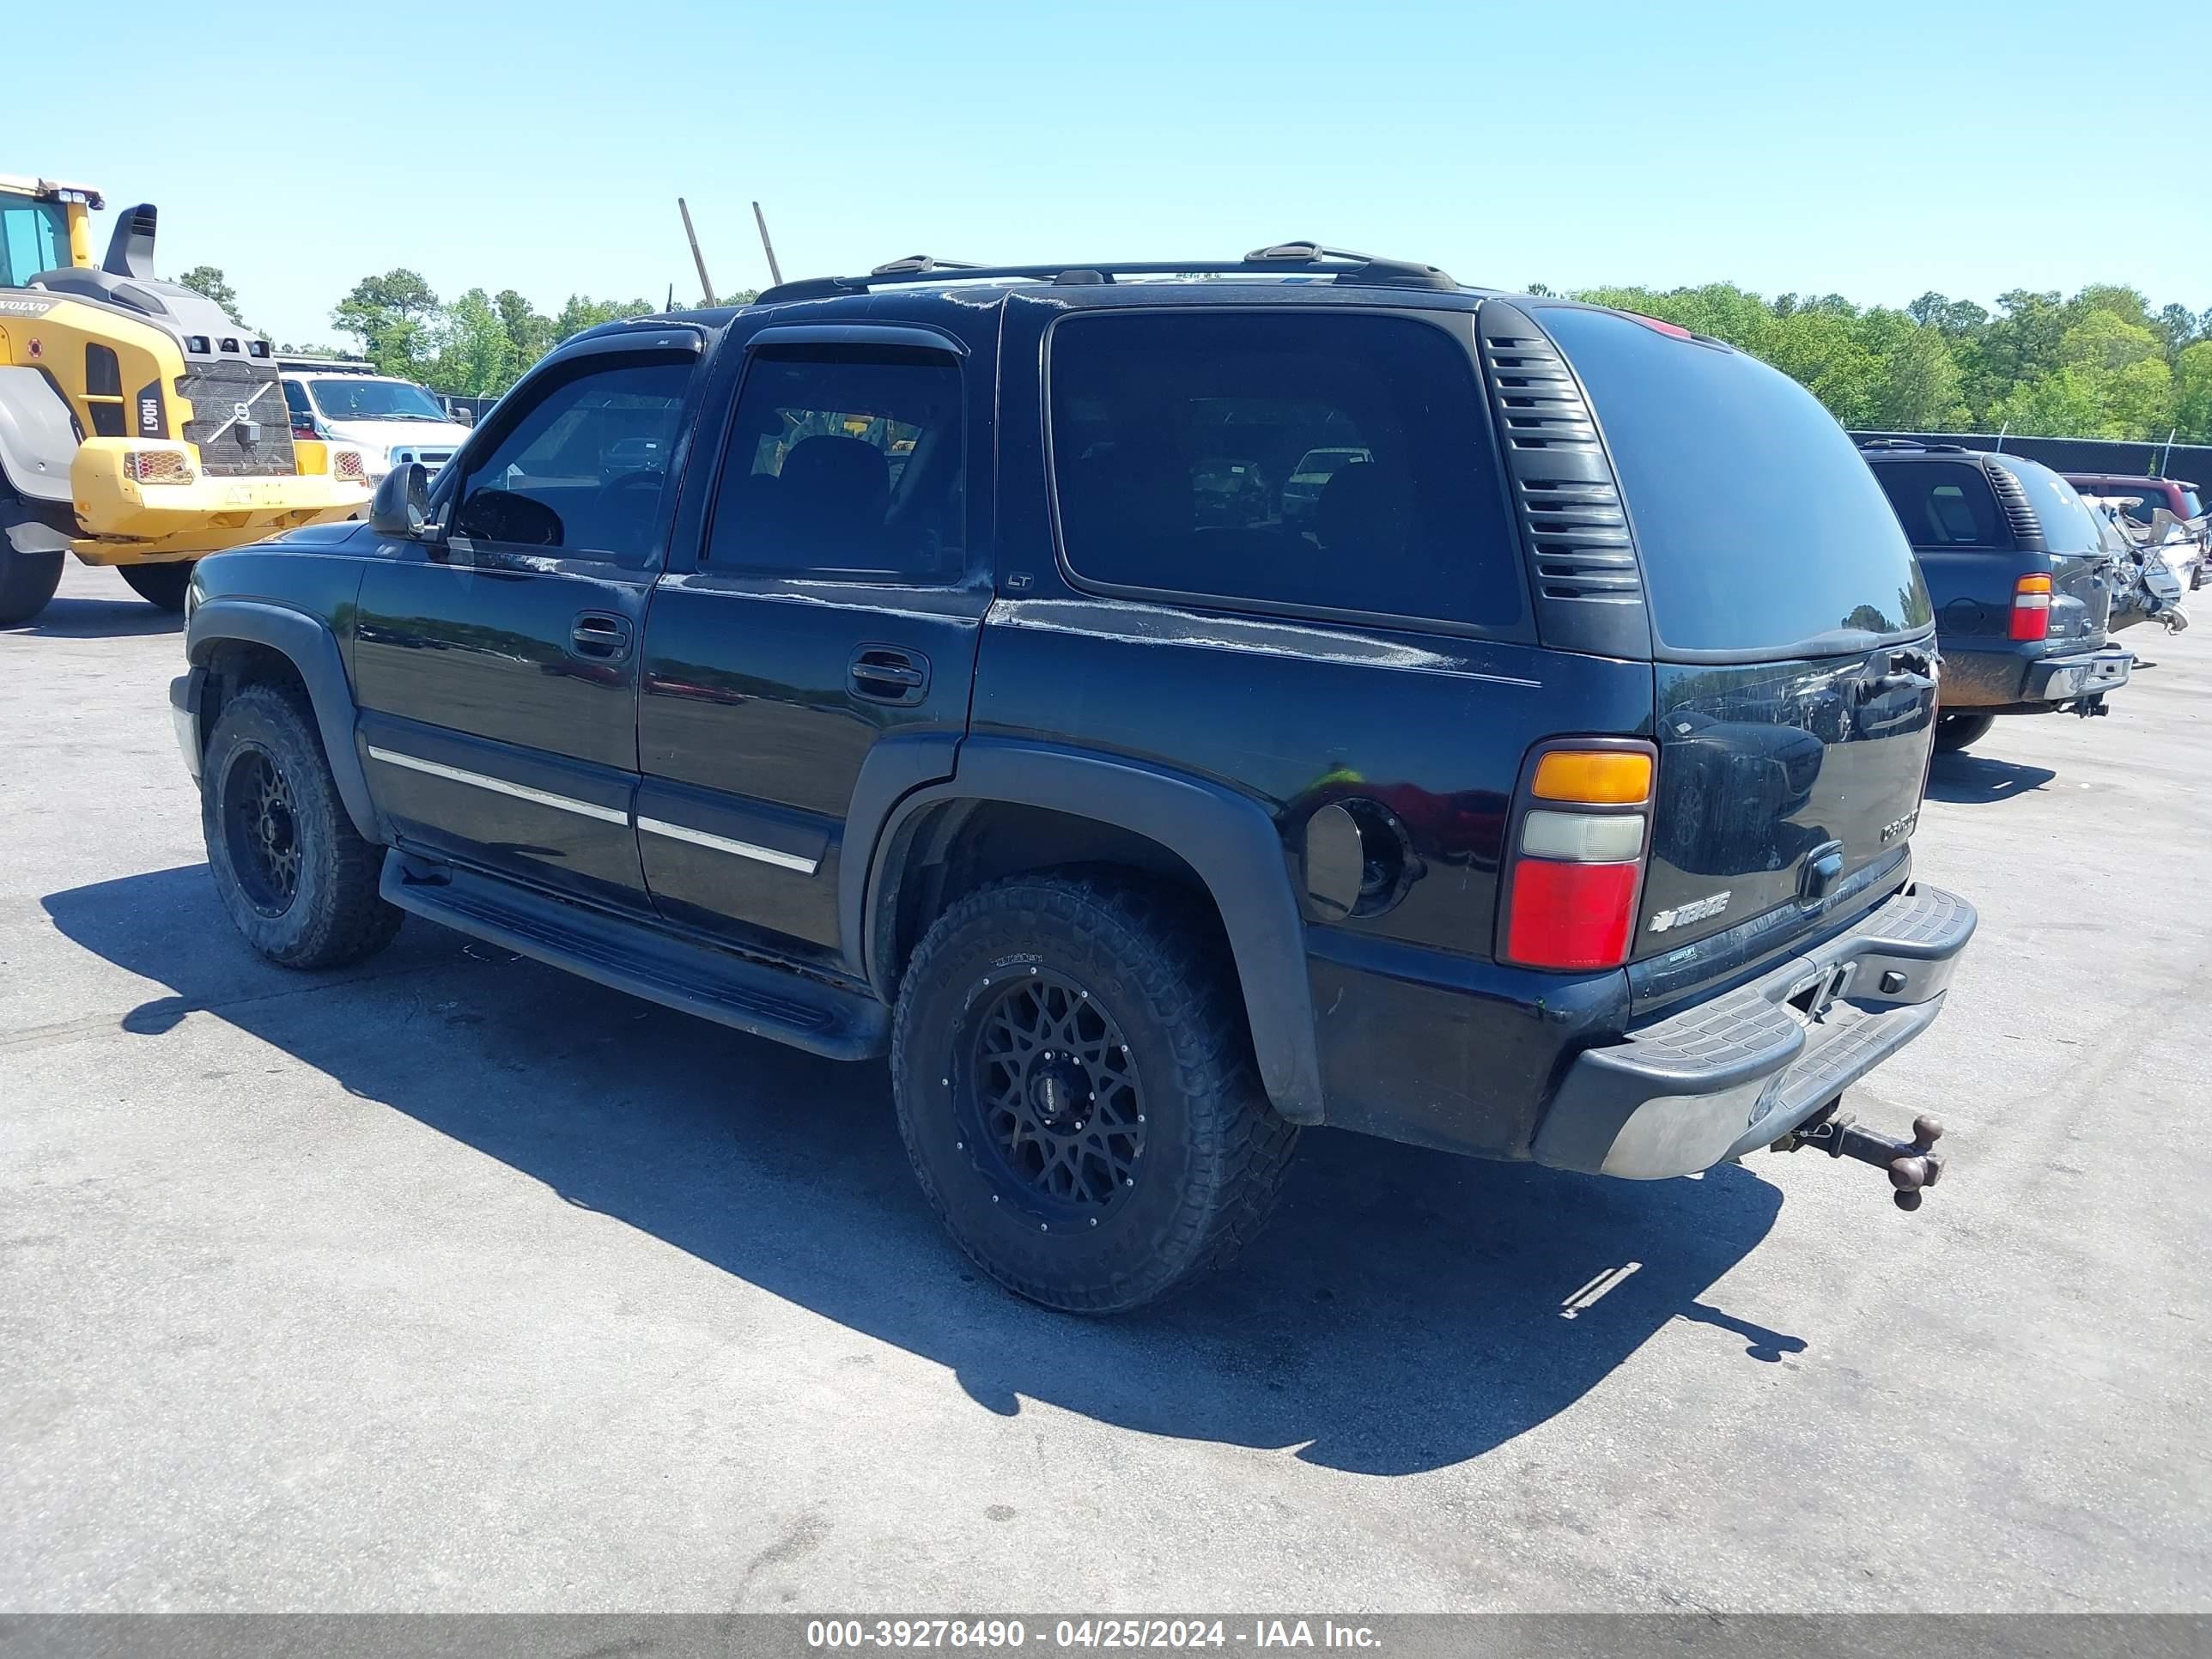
[(401, 506)]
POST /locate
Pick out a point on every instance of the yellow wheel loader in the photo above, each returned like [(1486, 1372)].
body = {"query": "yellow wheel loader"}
[(139, 426)]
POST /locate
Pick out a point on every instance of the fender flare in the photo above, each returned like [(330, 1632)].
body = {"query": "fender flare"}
[(38, 438), (308, 644), (1227, 838)]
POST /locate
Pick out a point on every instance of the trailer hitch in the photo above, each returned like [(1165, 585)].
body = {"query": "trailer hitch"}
[(1913, 1165)]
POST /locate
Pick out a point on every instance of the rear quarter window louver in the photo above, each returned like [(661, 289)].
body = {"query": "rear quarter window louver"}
[(1563, 488), (1580, 548), (2013, 502)]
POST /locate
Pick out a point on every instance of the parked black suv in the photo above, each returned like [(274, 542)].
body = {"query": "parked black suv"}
[(1539, 790), (2017, 568)]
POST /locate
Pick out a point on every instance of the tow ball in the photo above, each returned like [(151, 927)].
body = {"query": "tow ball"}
[(1913, 1165)]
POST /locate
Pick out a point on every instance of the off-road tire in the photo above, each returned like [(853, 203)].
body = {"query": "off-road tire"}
[(333, 915), (1213, 1153), (1954, 732), (28, 582), (162, 586)]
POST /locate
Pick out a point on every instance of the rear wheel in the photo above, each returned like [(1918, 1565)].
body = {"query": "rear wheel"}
[(1075, 1089), (161, 585), (27, 580), (1954, 732), (296, 879), (32, 537)]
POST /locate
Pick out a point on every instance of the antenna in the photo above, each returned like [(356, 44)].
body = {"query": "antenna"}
[(775, 275), (706, 287)]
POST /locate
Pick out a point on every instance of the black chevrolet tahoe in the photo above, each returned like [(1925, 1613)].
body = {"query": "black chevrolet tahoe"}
[(2015, 565), (962, 689)]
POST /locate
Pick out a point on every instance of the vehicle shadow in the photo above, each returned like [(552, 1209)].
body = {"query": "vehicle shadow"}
[(1977, 779), (1405, 1311), (98, 619)]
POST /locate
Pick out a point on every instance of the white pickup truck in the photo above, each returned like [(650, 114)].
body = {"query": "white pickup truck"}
[(389, 420)]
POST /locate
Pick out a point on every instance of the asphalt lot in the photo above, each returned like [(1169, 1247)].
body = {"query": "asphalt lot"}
[(453, 1282)]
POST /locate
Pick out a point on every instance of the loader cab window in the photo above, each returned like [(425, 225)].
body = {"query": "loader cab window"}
[(33, 237)]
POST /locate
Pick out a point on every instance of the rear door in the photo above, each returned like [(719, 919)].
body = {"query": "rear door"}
[(823, 618), (1791, 633), (496, 668)]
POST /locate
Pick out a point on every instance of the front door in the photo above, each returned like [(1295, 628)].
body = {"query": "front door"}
[(496, 670), (833, 607)]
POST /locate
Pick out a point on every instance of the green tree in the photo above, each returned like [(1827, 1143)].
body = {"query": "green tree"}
[(2105, 340), (2178, 328), (527, 330), (395, 317), (210, 282), (582, 313), (1954, 319), (2192, 398), (476, 358), (1917, 387), (2139, 399), (2064, 402)]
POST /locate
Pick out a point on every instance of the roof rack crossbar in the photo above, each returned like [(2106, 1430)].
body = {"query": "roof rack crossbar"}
[(1282, 257)]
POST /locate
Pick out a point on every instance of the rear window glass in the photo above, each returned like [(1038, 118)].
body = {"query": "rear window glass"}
[(1758, 525), (1943, 503), (1293, 459), (2067, 525), (2192, 504)]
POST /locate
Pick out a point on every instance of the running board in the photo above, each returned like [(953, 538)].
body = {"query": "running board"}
[(641, 960)]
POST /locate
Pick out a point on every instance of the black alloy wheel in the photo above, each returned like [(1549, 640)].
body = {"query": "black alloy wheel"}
[(1051, 1094), (261, 829)]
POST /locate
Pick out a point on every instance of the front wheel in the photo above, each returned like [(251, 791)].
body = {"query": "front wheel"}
[(160, 584), (1954, 732), (1075, 1088), (297, 879)]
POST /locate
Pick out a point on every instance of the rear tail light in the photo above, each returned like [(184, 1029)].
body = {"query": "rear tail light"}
[(2031, 608), (159, 466), (348, 467), (1576, 861)]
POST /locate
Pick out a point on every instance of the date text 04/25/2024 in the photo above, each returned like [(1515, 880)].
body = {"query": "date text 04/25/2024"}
[(1069, 1635)]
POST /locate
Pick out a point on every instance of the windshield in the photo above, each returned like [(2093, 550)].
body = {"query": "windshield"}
[(351, 398), (1760, 526), (33, 237)]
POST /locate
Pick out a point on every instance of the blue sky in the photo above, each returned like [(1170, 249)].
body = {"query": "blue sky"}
[(541, 147)]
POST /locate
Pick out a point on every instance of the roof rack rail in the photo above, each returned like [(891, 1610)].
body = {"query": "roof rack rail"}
[(1341, 264), (1928, 445), (919, 265)]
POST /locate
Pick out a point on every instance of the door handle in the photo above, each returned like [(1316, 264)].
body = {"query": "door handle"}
[(601, 636), (887, 673)]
